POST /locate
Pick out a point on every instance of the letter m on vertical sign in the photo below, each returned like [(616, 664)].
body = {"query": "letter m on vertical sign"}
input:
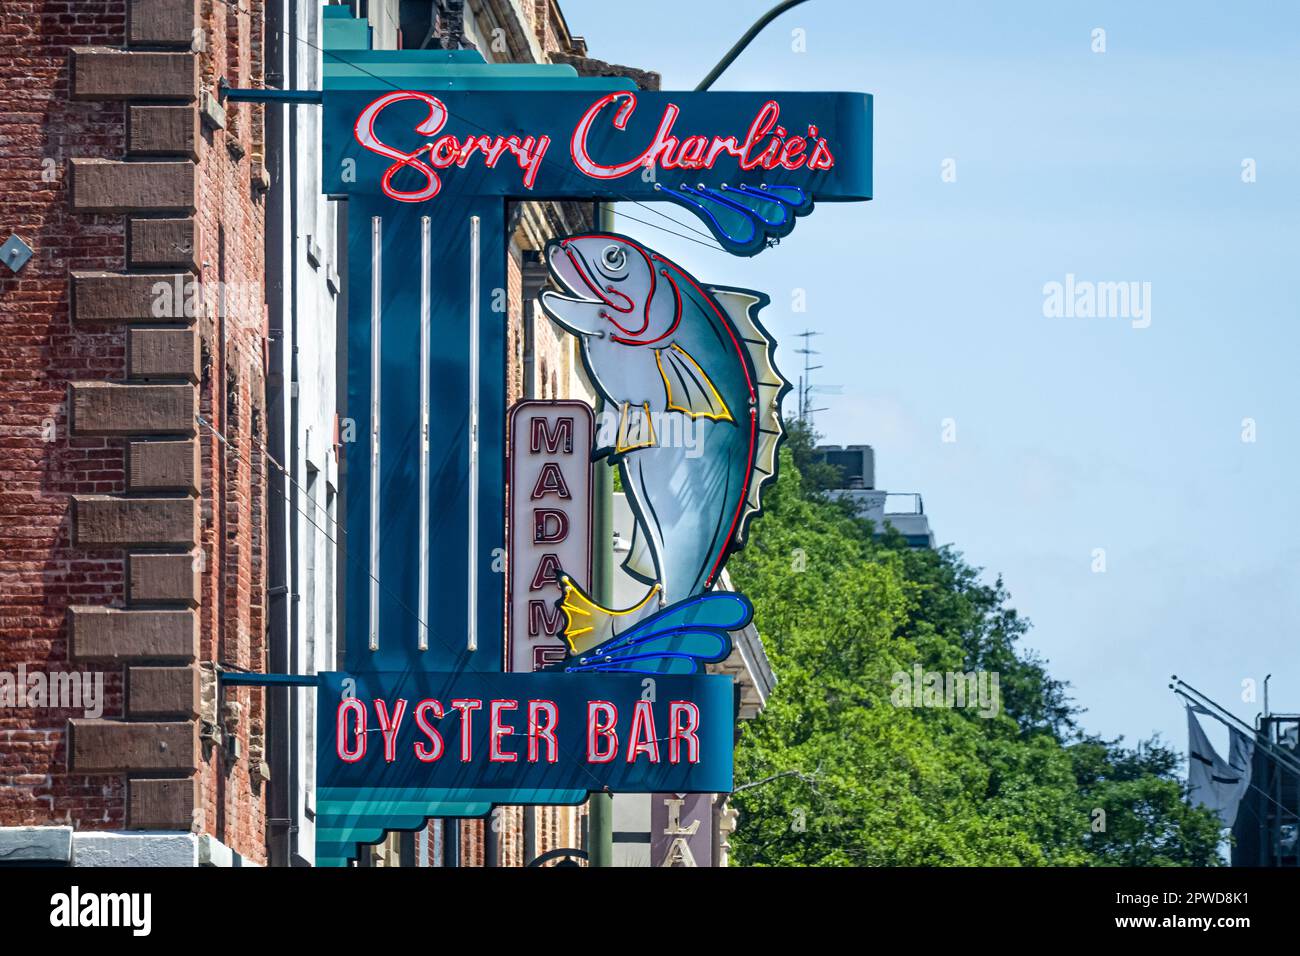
[(550, 523)]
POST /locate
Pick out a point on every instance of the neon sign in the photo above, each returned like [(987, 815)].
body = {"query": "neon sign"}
[(667, 151), (669, 352), (443, 152), (533, 723), (395, 749), (550, 524), (766, 144), (439, 710)]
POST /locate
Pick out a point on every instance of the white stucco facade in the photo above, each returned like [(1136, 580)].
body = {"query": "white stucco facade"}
[(304, 360)]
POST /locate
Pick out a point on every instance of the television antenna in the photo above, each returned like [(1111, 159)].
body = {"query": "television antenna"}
[(806, 388)]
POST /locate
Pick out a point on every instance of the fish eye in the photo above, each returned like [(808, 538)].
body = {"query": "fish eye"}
[(615, 257)]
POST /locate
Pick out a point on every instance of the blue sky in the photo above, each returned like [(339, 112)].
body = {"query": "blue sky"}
[(1072, 434)]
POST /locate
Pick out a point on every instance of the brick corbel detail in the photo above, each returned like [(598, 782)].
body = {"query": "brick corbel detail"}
[(169, 23), (157, 521)]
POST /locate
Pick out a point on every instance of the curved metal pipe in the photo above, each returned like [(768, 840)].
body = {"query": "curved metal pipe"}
[(744, 41)]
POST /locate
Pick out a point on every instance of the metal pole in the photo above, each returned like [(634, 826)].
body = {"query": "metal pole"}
[(227, 92), (492, 839), (745, 40), (600, 823), (450, 841), (1261, 742), (1275, 831), (600, 808), (280, 705)]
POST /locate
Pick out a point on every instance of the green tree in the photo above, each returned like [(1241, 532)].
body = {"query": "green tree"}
[(833, 773), (1148, 821)]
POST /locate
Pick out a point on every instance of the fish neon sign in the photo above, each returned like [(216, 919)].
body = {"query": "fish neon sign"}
[(665, 350), (766, 144)]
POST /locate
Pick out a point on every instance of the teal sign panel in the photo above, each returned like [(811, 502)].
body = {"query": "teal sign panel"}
[(396, 748), (428, 147)]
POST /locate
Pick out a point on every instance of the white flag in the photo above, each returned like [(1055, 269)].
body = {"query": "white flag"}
[(1212, 781)]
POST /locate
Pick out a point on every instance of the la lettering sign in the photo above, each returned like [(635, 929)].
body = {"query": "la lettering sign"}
[(550, 524)]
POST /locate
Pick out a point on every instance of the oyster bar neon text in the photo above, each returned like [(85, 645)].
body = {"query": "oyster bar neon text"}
[(766, 145), (535, 724)]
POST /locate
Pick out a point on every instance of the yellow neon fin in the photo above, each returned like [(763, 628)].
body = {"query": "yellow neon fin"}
[(689, 388), (588, 623), (635, 429)]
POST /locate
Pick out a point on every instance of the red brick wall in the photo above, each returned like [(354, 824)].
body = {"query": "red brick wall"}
[(42, 350), (40, 572), (232, 396)]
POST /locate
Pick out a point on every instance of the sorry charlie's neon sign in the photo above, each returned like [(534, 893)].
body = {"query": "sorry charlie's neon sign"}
[(766, 145)]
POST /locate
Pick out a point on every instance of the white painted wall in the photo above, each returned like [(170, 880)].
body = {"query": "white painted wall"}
[(384, 17), (311, 310)]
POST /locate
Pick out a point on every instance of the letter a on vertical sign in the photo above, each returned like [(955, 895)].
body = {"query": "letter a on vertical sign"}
[(550, 524), (681, 833)]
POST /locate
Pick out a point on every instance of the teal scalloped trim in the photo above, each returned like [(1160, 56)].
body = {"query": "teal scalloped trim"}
[(350, 816)]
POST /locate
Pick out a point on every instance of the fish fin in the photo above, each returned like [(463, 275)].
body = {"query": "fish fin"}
[(743, 307), (588, 623), (639, 561), (669, 652), (635, 430), (679, 639), (689, 388)]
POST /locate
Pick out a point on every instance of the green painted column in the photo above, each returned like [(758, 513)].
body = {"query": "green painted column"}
[(600, 808)]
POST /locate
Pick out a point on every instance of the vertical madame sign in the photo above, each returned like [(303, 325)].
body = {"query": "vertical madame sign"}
[(550, 524)]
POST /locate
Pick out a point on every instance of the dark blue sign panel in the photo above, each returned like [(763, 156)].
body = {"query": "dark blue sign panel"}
[(411, 144), (394, 749), (747, 164)]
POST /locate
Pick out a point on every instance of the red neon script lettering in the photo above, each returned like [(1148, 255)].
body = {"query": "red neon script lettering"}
[(578, 147), (443, 152), (766, 143), (365, 133)]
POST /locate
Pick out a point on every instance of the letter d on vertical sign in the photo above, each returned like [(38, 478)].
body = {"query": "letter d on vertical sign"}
[(550, 523)]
